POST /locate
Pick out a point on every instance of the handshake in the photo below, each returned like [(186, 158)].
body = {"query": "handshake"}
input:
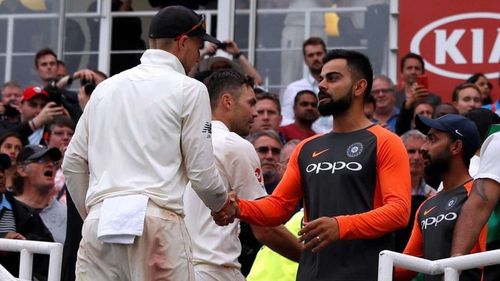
[(229, 212)]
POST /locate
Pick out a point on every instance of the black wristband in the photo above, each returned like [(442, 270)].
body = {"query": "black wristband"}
[(70, 79), (237, 55)]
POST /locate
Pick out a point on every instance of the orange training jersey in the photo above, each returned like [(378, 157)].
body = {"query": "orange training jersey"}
[(361, 178)]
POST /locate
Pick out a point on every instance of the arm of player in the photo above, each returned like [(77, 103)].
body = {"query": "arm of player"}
[(414, 247), (278, 207), (280, 240), (75, 165), (474, 215), (392, 202), (197, 151)]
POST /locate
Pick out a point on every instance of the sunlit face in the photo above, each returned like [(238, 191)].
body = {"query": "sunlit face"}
[(412, 68), (244, 112), (468, 99)]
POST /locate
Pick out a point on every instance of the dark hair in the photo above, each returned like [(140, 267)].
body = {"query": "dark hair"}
[(466, 153), (411, 56), (473, 79), (269, 96), (370, 99), (483, 118), (60, 62), (7, 135), (226, 80), (423, 101), (301, 93), (43, 52), (437, 109), (454, 95), (358, 64), (61, 121), (313, 41)]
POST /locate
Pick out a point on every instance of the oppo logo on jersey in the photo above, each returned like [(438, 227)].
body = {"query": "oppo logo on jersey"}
[(332, 167), (434, 221)]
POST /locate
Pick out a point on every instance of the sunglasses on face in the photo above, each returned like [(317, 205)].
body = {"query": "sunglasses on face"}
[(265, 150)]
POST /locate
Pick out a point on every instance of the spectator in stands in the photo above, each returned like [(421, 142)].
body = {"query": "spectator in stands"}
[(10, 144), (314, 50), (214, 63), (36, 167), (386, 113), (406, 118), (36, 112), (11, 93), (485, 86), (286, 152), (268, 145), (58, 134), (305, 109), (369, 107), (18, 221), (443, 109), (465, 97), (268, 113), (451, 141), (420, 190), (411, 67)]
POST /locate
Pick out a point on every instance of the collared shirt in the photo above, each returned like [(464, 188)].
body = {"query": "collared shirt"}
[(240, 169), (7, 220), (145, 131), (5, 203), (323, 124), (391, 122)]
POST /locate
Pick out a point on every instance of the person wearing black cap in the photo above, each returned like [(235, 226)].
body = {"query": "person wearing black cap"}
[(143, 135), (36, 169), (19, 221), (451, 141)]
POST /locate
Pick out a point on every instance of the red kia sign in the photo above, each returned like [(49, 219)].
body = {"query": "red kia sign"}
[(456, 38)]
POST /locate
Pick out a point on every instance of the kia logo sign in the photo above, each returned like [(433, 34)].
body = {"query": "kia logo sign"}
[(461, 45)]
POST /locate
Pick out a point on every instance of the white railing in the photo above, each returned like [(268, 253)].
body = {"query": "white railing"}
[(27, 249), (451, 267)]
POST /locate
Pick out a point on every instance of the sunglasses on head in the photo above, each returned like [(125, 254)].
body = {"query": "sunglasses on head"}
[(201, 23)]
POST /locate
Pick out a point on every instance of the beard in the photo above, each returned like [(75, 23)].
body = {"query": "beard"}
[(334, 107), (436, 167)]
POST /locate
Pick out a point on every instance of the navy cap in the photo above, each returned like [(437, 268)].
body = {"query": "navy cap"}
[(38, 151), (457, 125), (4, 161), (173, 21)]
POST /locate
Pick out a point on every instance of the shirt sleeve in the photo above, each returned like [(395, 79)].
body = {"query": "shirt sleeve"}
[(196, 146), (392, 199), (278, 207), (488, 163), (287, 105), (75, 164), (242, 167)]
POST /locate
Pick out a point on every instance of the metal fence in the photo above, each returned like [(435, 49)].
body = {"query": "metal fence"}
[(450, 267), (27, 249)]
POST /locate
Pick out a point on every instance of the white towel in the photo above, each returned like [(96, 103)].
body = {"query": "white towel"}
[(122, 218)]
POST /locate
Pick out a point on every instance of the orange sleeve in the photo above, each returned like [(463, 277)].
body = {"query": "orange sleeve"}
[(392, 200), (414, 247), (275, 209)]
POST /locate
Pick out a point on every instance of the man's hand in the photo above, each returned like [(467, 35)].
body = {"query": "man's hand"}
[(49, 111), (14, 235), (416, 93), (319, 233), (231, 47), (228, 213)]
